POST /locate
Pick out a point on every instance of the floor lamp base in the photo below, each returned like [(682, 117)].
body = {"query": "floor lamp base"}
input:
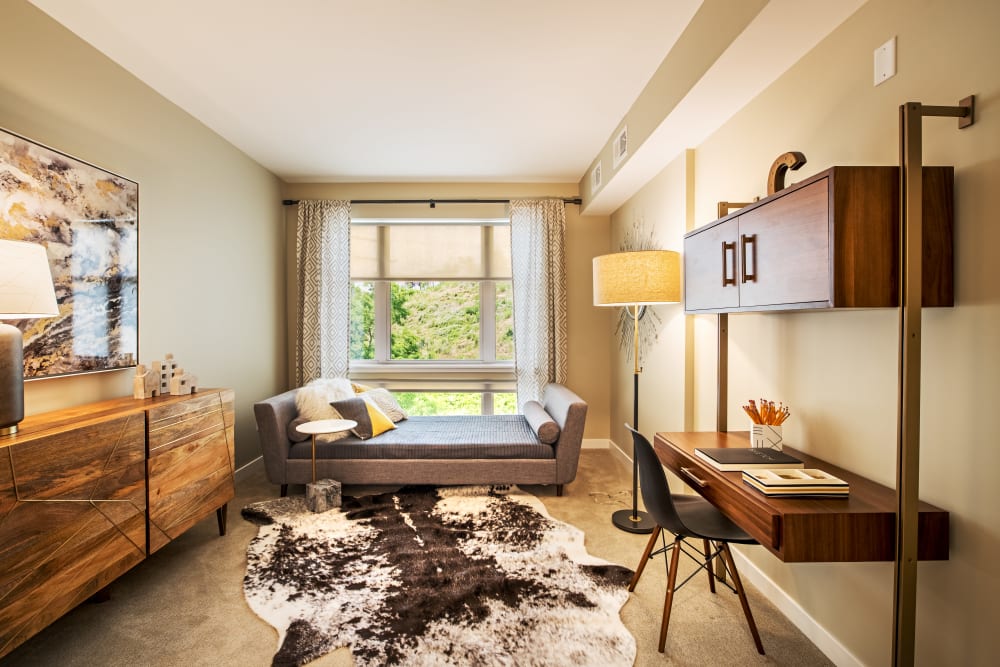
[(625, 520)]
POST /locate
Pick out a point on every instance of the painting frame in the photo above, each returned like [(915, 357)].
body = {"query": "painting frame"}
[(88, 220)]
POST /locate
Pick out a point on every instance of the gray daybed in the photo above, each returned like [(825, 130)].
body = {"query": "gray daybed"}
[(489, 449)]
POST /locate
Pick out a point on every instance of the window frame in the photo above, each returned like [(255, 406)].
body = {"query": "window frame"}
[(487, 375)]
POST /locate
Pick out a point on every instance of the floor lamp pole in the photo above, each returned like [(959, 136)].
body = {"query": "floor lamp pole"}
[(634, 521)]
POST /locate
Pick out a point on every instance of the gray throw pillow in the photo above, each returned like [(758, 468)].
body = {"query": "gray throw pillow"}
[(357, 410), (541, 422)]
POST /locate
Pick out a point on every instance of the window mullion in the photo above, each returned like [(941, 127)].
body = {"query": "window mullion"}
[(383, 315)]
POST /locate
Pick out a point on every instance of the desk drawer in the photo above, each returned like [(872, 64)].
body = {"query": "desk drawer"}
[(759, 520)]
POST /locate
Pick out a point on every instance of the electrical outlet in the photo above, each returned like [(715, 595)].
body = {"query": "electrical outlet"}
[(885, 61)]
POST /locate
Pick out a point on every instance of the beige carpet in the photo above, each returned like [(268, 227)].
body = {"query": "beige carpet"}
[(184, 605)]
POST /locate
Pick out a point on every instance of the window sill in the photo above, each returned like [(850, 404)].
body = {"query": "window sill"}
[(456, 375)]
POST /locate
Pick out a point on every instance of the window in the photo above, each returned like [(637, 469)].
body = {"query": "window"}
[(432, 310)]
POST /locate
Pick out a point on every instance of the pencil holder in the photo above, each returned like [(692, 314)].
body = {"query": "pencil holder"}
[(765, 435)]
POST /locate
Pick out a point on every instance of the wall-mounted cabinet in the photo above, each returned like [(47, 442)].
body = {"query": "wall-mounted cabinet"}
[(831, 241)]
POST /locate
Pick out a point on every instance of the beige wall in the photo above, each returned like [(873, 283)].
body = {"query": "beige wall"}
[(832, 365), (659, 211), (586, 237), (211, 251)]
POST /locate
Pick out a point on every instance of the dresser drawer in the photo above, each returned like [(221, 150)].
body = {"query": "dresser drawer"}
[(190, 464)]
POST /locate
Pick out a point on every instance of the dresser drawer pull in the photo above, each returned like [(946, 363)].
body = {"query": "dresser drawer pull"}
[(700, 483)]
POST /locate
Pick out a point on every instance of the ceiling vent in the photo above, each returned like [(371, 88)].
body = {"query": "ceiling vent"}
[(619, 148), (595, 178)]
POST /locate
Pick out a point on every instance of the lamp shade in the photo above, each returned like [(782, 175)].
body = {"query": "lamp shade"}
[(639, 278), (25, 282)]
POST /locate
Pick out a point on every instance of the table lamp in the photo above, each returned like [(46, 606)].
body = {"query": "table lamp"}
[(634, 280), (26, 291)]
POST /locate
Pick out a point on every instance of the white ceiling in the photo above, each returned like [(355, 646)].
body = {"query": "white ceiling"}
[(394, 90), (438, 90)]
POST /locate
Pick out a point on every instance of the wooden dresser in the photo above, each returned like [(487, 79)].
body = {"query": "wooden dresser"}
[(88, 492)]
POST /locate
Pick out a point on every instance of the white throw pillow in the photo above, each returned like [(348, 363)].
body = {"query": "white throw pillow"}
[(313, 402)]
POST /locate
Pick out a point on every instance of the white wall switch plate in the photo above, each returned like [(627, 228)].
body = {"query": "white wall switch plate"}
[(885, 61)]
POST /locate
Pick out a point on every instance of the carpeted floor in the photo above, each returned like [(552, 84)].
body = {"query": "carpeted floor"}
[(184, 605)]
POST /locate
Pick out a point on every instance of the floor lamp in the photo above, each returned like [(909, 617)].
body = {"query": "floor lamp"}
[(635, 280)]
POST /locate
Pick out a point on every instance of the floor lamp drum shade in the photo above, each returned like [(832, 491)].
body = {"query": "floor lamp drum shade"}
[(636, 279), (26, 291), (640, 278)]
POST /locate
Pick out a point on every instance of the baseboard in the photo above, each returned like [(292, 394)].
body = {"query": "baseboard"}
[(620, 456), (817, 634), (244, 469), (595, 443)]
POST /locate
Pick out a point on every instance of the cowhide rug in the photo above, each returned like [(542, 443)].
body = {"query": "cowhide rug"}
[(424, 576)]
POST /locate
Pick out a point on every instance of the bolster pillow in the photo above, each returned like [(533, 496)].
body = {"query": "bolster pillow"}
[(541, 422)]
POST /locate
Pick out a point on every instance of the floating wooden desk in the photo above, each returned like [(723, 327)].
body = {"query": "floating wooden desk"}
[(861, 527)]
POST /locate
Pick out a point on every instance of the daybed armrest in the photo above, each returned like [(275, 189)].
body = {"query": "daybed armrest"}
[(570, 412), (272, 415)]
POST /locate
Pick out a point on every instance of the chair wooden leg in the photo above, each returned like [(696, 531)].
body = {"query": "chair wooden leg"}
[(669, 599), (743, 597), (708, 566), (645, 558)]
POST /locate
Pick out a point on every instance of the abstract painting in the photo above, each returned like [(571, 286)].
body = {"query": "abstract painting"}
[(87, 219)]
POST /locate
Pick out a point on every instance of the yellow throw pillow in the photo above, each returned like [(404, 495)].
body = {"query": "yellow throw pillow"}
[(380, 422)]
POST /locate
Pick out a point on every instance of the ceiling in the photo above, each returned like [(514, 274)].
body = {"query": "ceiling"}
[(391, 90)]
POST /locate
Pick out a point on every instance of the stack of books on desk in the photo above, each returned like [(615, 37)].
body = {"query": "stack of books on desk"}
[(805, 482)]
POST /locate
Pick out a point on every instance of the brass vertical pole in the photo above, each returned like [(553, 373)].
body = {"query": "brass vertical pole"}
[(908, 410), (722, 375), (911, 117)]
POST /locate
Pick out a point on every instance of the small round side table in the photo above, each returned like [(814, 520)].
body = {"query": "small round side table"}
[(322, 427)]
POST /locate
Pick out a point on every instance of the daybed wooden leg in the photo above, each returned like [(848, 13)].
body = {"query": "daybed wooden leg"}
[(284, 490), (221, 515), (559, 490)]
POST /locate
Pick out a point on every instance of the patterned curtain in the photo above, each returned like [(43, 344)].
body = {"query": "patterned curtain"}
[(323, 253), (537, 231)]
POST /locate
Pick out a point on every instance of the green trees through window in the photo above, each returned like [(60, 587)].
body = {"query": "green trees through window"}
[(432, 320)]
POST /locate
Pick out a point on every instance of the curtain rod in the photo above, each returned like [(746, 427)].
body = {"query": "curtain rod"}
[(435, 202)]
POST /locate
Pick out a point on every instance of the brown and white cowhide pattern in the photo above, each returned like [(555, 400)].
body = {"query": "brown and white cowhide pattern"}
[(425, 576)]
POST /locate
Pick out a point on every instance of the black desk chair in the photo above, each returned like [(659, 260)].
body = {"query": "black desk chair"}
[(686, 517)]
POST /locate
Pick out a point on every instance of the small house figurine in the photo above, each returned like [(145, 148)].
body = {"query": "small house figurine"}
[(145, 384), (164, 370), (183, 383)]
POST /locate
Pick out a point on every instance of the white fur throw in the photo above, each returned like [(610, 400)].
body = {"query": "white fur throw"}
[(313, 402)]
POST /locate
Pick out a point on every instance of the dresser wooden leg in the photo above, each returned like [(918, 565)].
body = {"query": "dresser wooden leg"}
[(222, 514)]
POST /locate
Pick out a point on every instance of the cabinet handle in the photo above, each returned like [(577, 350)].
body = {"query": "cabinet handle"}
[(745, 240), (726, 280), (700, 483)]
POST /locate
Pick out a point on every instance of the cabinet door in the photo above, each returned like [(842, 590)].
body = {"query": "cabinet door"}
[(784, 249), (710, 268)]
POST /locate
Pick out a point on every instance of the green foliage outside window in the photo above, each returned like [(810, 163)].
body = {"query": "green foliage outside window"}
[(423, 403), (435, 321)]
